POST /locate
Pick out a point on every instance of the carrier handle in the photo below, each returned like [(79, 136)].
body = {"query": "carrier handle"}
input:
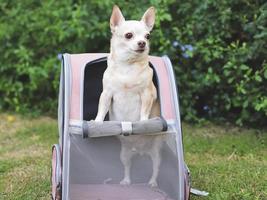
[(93, 129)]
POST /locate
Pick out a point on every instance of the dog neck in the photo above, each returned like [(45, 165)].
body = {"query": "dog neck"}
[(120, 58), (122, 61)]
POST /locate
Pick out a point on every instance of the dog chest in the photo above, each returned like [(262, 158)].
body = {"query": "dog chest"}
[(125, 106), (129, 78)]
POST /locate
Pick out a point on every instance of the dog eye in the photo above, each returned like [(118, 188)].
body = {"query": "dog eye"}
[(147, 36), (128, 35)]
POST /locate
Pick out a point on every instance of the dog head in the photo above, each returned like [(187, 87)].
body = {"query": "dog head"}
[(130, 39)]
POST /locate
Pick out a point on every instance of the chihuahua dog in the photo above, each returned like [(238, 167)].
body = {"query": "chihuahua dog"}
[(128, 91)]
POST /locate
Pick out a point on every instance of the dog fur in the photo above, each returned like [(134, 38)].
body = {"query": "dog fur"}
[(128, 91)]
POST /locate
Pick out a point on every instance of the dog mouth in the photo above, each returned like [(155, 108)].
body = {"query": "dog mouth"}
[(140, 50)]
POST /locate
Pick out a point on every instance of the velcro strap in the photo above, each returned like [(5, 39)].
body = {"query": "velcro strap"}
[(127, 128)]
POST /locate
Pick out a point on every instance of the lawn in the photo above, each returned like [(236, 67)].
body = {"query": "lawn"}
[(228, 162), (25, 157)]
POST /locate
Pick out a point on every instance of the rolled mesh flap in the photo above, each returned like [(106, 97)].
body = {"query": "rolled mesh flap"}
[(101, 129), (111, 128), (150, 126)]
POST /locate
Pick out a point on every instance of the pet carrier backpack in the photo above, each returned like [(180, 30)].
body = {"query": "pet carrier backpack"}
[(86, 163)]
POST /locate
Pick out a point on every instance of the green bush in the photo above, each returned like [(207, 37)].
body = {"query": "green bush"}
[(225, 74), (218, 49)]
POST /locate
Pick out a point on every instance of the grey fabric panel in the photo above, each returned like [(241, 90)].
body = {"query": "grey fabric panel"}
[(61, 104), (65, 135), (178, 128), (110, 128)]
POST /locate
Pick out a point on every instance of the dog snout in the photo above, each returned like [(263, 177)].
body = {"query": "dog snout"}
[(141, 44)]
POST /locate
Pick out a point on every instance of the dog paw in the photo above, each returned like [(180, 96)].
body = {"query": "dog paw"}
[(98, 120), (125, 182), (153, 183)]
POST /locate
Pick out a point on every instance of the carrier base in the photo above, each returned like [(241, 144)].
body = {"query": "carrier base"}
[(116, 192)]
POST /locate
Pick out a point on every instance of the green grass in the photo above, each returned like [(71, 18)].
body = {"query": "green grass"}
[(25, 157), (228, 162)]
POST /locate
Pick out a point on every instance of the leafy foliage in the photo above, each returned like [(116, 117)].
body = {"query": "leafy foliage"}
[(218, 49), (225, 73)]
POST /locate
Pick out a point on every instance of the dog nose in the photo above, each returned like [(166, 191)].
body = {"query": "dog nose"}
[(141, 44)]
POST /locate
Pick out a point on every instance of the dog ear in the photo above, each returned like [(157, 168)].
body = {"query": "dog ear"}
[(149, 18), (116, 18)]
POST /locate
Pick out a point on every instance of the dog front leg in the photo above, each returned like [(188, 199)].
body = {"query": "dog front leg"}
[(148, 97), (103, 105), (126, 159), (156, 159)]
